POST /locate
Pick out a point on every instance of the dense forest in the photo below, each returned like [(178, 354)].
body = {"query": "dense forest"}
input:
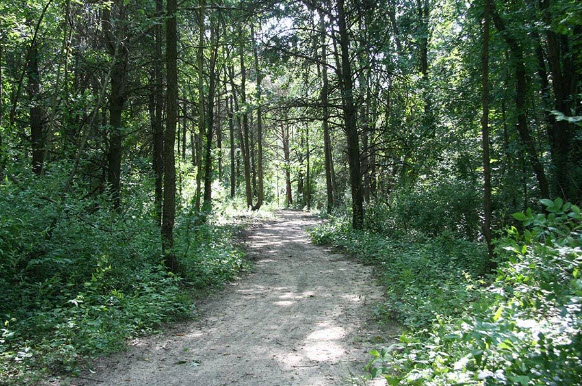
[(442, 140)]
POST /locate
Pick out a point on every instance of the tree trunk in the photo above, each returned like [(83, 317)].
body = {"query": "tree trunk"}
[(308, 171), (349, 112), (157, 129), (565, 148), (184, 131), (261, 188), (252, 154), (325, 119), (520, 102), (245, 129), (201, 117), (169, 207), (115, 33), (285, 139), (485, 132), (229, 107), (219, 137), (36, 129), (423, 10), (210, 120)]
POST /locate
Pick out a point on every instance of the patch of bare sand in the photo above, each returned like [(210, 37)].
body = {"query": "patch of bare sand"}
[(302, 317)]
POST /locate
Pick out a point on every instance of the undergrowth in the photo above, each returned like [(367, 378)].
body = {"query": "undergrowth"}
[(521, 326), (79, 278)]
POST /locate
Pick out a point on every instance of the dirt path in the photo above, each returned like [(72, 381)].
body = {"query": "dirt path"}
[(300, 318)]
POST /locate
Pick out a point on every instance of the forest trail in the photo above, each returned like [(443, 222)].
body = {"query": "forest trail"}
[(302, 317)]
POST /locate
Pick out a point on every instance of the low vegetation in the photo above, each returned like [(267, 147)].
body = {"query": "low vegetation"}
[(79, 278), (520, 325)]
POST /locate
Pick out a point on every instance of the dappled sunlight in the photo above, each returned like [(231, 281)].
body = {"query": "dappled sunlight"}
[(291, 322), (284, 303), (327, 351), (326, 333), (325, 344)]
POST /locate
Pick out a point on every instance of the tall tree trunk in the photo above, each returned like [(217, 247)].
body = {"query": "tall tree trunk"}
[(169, 207), (184, 131), (210, 120), (201, 96), (285, 139), (115, 36), (252, 148), (219, 136), (485, 131), (245, 129), (308, 171), (229, 107), (365, 161), (565, 148), (325, 119), (520, 102), (36, 126), (261, 188), (349, 111), (423, 11), (158, 129)]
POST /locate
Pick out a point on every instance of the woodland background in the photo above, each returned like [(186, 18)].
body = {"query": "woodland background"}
[(132, 132)]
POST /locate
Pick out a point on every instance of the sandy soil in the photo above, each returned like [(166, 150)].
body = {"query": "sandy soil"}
[(302, 317)]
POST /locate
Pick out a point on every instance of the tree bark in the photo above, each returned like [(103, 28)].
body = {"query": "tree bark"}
[(210, 120), (35, 111), (565, 148), (308, 169), (261, 188), (115, 32), (324, 96), (349, 112), (229, 107), (201, 96), (169, 206), (485, 131), (520, 101), (157, 129), (245, 129), (285, 139)]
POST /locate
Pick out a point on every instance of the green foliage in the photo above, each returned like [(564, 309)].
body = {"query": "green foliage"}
[(448, 207), (78, 278), (528, 329), (419, 276), (207, 254)]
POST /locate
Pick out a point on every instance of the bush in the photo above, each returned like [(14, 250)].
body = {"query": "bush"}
[(419, 276), (78, 278), (450, 207), (530, 330)]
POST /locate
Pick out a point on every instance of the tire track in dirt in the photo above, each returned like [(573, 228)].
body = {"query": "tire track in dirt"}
[(300, 318)]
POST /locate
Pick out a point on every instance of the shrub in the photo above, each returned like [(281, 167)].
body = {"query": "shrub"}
[(428, 209), (78, 278), (530, 330)]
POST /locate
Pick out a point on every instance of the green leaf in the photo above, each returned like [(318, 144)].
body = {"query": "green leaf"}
[(519, 216), (547, 202), (498, 313)]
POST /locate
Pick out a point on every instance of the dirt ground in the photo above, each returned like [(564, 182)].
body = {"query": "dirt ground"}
[(303, 316)]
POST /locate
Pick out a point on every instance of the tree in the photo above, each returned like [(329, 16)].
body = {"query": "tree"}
[(349, 112), (169, 206), (114, 22), (485, 130), (156, 113)]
